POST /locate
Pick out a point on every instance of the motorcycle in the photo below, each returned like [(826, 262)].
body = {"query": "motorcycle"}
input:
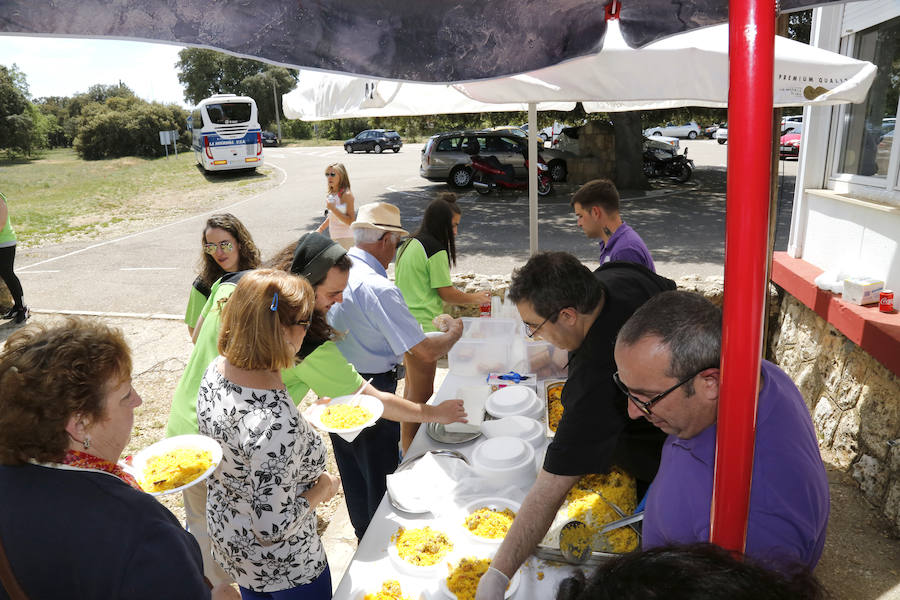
[(490, 174), (666, 162)]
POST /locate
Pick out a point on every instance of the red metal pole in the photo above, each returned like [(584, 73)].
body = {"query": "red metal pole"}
[(751, 50)]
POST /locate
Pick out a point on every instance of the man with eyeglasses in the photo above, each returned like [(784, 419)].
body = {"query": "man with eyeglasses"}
[(668, 359), (377, 329), (561, 301)]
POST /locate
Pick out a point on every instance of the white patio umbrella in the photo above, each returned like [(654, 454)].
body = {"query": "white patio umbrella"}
[(688, 69)]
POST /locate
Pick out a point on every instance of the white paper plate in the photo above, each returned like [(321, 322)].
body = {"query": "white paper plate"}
[(371, 403), (438, 569), (191, 441), (494, 503), (513, 585)]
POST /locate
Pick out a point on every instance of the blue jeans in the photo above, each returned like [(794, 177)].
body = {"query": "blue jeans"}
[(365, 463), (317, 589)]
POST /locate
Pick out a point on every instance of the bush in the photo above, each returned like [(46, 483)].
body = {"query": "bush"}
[(126, 127)]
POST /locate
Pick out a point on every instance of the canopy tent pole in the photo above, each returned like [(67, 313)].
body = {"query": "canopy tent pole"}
[(532, 179), (751, 49)]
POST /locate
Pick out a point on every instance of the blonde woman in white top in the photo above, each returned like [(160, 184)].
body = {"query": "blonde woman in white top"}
[(340, 211)]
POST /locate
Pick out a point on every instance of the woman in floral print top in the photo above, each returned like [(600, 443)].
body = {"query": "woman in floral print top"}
[(260, 511)]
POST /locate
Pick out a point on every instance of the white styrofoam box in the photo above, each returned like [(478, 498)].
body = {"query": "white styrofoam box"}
[(473, 397), (474, 357), (862, 290)]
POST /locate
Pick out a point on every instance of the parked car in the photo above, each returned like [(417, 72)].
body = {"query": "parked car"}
[(710, 131), (269, 139), (790, 146), (689, 130), (445, 156), (792, 124), (374, 140), (722, 133)]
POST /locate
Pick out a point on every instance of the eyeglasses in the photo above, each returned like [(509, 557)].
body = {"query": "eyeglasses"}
[(225, 247), (531, 330), (330, 174), (644, 407)]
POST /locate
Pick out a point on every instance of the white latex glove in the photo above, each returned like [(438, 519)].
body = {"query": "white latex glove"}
[(492, 585)]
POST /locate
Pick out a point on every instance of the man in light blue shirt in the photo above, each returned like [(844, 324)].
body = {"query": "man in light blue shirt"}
[(377, 329)]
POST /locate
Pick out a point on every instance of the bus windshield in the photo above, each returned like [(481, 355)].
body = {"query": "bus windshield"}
[(228, 113)]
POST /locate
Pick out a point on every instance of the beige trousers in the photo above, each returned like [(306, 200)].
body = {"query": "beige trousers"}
[(195, 515)]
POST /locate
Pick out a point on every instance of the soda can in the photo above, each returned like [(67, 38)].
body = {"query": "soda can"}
[(485, 309), (886, 301)]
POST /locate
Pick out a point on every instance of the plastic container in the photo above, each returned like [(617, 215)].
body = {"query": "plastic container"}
[(479, 357), (491, 328), (546, 360), (505, 460)]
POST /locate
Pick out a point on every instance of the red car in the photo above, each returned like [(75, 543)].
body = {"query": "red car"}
[(790, 145)]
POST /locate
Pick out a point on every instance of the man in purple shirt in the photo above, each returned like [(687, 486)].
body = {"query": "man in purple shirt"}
[(667, 354), (596, 204)]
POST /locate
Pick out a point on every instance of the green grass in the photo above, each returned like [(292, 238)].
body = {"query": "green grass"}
[(58, 195)]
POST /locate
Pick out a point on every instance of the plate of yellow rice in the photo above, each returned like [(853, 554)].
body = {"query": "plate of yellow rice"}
[(488, 520), (346, 415), (176, 463), (462, 578)]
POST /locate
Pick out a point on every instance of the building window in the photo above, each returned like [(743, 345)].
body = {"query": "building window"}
[(868, 128)]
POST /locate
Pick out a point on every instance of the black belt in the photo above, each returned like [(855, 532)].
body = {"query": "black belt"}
[(395, 374)]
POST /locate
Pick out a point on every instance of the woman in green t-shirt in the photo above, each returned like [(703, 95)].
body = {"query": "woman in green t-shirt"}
[(19, 312), (227, 248), (422, 273)]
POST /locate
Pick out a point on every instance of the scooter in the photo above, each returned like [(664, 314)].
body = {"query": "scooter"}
[(660, 163), (491, 174)]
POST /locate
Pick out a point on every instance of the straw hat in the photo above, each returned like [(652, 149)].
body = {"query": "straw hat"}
[(378, 215)]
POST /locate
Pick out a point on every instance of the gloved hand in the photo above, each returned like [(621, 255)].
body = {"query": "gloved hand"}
[(492, 585)]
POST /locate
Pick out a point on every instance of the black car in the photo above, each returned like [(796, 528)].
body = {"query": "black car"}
[(269, 139), (374, 140)]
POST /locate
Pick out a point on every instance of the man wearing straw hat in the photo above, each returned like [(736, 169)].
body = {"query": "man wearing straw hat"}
[(377, 330)]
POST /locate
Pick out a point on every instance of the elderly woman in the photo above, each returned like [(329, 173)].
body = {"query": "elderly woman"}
[(74, 524), (262, 498)]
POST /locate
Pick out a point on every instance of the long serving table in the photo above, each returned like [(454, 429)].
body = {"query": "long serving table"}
[(372, 565)]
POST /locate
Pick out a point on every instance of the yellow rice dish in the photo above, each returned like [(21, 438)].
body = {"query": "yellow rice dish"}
[(421, 547), (489, 523), (344, 416), (585, 504), (175, 468), (463, 579), (554, 406), (390, 590)]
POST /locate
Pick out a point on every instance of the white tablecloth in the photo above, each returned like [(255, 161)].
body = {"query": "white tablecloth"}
[(372, 564)]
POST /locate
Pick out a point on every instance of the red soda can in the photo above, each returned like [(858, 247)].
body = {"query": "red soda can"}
[(485, 309), (886, 301)]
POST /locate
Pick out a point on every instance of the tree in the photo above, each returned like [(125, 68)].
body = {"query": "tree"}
[(207, 72), (126, 126), (15, 125)]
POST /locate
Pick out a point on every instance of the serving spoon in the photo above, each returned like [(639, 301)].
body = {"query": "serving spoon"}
[(575, 539)]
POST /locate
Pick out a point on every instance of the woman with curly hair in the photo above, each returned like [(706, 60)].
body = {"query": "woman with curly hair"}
[(227, 247), (66, 413), (339, 210)]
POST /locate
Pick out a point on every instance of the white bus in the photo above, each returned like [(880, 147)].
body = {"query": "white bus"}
[(226, 133)]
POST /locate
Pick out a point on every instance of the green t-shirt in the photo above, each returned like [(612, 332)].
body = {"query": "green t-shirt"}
[(7, 234), (196, 301), (422, 268), (325, 370)]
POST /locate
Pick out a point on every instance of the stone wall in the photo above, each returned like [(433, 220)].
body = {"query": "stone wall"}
[(853, 399), (596, 154)]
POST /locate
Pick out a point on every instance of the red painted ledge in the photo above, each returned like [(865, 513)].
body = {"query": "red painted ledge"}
[(875, 332)]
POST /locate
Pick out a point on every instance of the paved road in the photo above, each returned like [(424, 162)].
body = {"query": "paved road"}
[(151, 271)]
